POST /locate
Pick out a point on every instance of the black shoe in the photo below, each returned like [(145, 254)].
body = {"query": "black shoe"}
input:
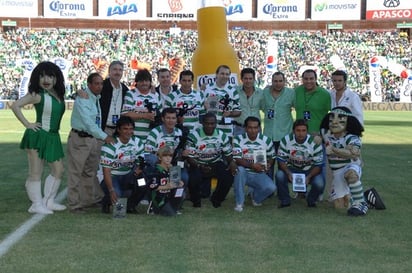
[(281, 206), (106, 208), (373, 199), (215, 203), (197, 205), (311, 205), (132, 211)]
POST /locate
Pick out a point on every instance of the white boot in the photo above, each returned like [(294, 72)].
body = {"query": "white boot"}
[(33, 189), (51, 186)]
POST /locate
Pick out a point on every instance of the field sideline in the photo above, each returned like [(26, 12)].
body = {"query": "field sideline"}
[(262, 239)]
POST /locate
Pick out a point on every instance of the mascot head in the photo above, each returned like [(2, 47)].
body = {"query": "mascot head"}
[(340, 121)]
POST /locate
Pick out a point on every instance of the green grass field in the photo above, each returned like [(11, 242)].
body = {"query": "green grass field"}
[(260, 239)]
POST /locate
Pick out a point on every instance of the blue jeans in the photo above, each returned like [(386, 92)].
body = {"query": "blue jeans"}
[(124, 186), (317, 185), (260, 183)]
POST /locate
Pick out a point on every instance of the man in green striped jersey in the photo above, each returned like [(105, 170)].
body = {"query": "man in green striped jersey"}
[(299, 154), (187, 98), (210, 155), (226, 99), (141, 104), (254, 154), (119, 161)]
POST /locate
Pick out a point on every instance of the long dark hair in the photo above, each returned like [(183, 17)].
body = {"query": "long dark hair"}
[(49, 69), (353, 126)]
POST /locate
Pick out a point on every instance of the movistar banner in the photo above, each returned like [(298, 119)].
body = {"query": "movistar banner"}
[(336, 10), (19, 8)]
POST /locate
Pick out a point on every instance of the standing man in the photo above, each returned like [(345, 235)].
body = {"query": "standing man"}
[(142, 105), (254, 155), (343, 96), (250, 99), (312, 101), (187, 98), (112, 96), (298, 153), (83, 148), (210, 155), (165, 86), (278, 103), (223, 99)]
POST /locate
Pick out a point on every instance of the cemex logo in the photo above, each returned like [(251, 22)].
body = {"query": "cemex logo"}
[(374, 62), (175, 5), (391, 3)]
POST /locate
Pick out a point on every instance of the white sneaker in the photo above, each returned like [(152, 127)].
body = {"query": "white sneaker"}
[(238, 208), (144, 202), (255, 204)]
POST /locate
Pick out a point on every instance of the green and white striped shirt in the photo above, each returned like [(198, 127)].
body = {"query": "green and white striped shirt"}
[(177, 99), (300, 156), (159, 138), (120, 157), (136, 101)]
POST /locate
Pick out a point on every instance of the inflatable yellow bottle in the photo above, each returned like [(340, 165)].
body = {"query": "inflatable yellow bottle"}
[(213, 48)]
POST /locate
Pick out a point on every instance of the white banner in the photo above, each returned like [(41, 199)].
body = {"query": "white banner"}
[(175, 10), (336, 10), (236, 10), (68, 9), (388, 9), (126, 10), (281, 10), (26, 8), (375, 79), (405, 95), (29, 65), (64, 66), (271, 60)]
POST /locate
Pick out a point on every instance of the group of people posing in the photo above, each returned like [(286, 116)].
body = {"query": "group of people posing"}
[(167, 143)]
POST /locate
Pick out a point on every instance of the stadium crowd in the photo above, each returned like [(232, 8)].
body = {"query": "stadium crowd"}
[(94, 50)]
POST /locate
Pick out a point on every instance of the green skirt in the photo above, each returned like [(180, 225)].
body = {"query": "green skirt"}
[(47, 144)]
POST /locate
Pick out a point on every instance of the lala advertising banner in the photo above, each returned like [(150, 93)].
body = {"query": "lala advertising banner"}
[(236, 10), (123, 9)]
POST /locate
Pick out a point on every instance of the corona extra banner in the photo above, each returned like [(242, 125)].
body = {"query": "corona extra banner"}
[(123, 9), (26, 8), (175, 10), (281, 10), (336, 10), (68, 9), (236, 10), (388, 9)]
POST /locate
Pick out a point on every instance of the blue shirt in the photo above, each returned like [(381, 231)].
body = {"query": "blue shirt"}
[(86, 115)]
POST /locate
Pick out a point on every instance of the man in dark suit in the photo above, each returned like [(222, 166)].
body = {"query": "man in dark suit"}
[(111, 100)]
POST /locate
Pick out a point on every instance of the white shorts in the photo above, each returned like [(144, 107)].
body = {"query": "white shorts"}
[(339, 187)]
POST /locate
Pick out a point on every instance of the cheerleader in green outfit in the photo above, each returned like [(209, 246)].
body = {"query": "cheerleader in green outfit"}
[(41, 138)]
